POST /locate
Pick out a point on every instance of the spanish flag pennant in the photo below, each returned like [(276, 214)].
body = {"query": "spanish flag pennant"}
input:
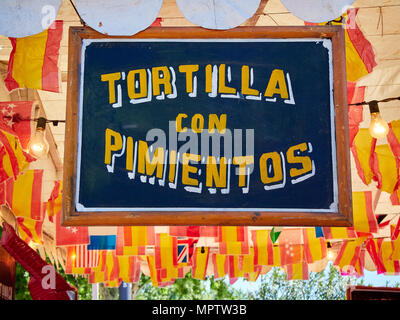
[(314, 248), (111, 267), (13, 159), (385, 167), (265, 253), (234, 270), (30, 229), (354, 95), (392, 267), (200, 262), (360, 56), (233, 240), (125, 250), (373, 247), (348, 256), (362, 150), (53, 205), (297, 271), (395, 230), (248, 262), (166, 252), (364, 219), (33, 60), (396, 249), (138, 236), (339, 233), (129, 269), (221, 265), (393, 137), (24, 195)]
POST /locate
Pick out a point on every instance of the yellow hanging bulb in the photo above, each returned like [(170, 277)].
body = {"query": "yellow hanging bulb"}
[(378, 127), (38, 145)]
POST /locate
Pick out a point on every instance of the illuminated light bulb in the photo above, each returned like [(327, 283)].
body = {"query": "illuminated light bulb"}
[(38, 145), (330, 254), (378, 127)]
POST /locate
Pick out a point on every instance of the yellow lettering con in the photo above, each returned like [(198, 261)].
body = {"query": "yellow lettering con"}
[(179, 122), (217, 122), (197, 123)]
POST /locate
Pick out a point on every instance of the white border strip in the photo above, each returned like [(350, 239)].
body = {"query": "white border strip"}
[(327, 43)]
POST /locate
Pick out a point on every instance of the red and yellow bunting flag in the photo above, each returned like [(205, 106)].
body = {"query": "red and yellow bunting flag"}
[(392, 266), (53, 206), (221, 266), (166, 251), (373, 247), (339, 233), (134, 238), (393, 137), (360, 57), (385, 168), (362, 152), (30, 230), (139, 236), (70, 236), (233, 240), (354, 95), (13, 159), (33, 60), (24, 195), (297, 271), (314, 248), (12, 114), (200, 262), (265, 253), (349, 258), (364, 219), (234, 267), (185, 231), (129, 269)]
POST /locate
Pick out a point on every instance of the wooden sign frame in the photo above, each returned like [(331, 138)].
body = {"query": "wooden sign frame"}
[(342, 216)]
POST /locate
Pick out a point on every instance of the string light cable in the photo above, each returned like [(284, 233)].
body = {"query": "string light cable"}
[(378, 128)]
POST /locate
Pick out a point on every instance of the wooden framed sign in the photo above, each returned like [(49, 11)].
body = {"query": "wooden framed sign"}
[(187, 126)]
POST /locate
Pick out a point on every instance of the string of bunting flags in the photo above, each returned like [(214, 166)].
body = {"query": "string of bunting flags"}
[(111, 255)]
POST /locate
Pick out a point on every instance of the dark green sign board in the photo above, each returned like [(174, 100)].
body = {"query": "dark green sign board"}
[(198, 129)]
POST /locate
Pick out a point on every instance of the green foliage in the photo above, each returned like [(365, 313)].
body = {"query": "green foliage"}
[(325, 285), (188, 288), (21, 283)]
